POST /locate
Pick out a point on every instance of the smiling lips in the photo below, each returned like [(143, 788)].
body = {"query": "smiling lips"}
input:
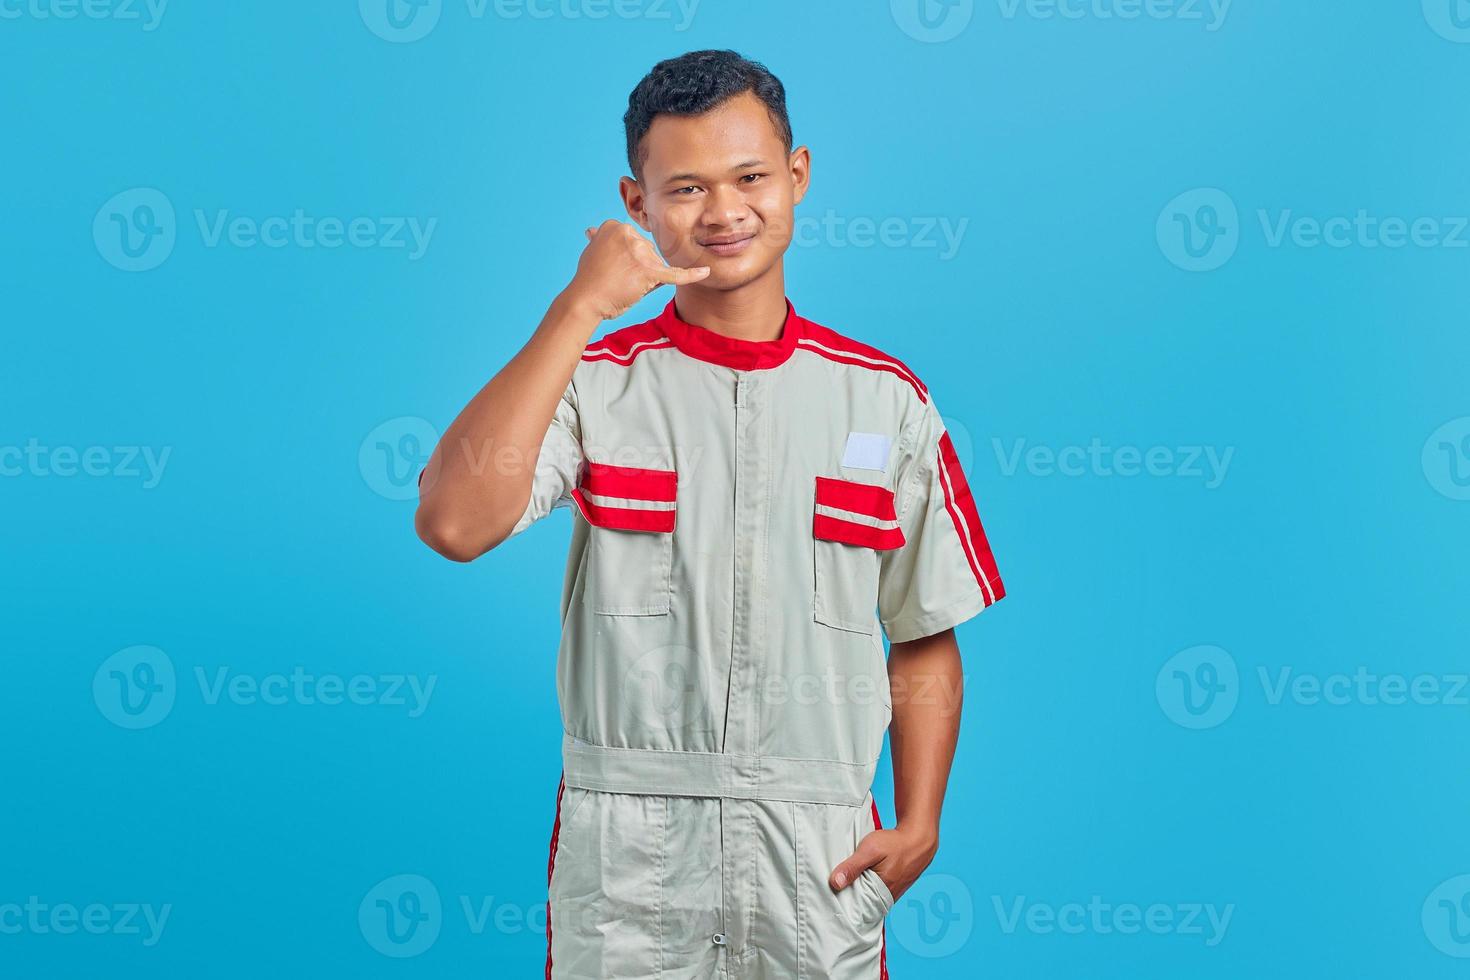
[(728, 244)]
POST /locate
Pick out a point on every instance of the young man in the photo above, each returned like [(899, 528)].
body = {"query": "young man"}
[(755, 495)]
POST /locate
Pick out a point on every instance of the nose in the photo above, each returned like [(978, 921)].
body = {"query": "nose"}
[(724, 207)]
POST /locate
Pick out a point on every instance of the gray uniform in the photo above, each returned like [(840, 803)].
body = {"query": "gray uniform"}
[(750, 519)]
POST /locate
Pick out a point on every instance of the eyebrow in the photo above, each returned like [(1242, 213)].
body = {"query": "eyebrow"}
[(745, 165)]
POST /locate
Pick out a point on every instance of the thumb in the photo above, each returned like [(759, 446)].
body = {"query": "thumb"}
[(856, 863), (677, 276)]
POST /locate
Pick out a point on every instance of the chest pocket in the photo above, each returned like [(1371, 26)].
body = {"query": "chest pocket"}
[(630, 556), (852, 524)]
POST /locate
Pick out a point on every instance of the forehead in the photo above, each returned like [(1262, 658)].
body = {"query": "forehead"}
[(737, 130)]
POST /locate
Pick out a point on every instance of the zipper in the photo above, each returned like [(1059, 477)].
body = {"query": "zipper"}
[(734, 568), (721, 938)]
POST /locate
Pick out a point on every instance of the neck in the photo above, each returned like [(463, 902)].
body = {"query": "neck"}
[(755, 311)]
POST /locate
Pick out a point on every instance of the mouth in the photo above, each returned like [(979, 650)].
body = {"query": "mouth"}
[(726, 245)]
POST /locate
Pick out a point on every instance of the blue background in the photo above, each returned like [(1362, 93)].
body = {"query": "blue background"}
[(1335, 541)]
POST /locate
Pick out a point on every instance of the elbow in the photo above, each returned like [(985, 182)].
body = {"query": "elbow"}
[(448, 538)]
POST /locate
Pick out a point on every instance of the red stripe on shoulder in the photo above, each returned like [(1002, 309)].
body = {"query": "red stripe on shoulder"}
[(624, 345), (844, 350)]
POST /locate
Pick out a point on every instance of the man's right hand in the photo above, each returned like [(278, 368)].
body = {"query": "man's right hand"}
[(619, 267)]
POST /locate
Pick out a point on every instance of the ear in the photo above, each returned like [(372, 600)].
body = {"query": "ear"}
[(634, 201), (800, 163)]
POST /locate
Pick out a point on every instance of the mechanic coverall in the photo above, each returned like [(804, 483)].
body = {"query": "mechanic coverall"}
[(748, 515)]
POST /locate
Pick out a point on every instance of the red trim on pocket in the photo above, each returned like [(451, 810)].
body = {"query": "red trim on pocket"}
[(631, 482), (862, 498), (624, 518), (847, 532)]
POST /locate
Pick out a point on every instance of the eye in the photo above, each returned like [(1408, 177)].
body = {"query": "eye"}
[(686, 190), (751, 178)]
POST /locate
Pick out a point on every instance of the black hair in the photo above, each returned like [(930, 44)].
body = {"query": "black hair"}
[(693, 84)]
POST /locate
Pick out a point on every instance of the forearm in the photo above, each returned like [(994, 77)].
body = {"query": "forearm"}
[(479, 476), (927, 680)]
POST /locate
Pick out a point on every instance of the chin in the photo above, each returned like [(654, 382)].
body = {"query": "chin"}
[(746, 269)]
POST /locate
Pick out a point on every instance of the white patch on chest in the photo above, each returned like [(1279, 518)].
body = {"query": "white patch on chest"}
[(867, 451)]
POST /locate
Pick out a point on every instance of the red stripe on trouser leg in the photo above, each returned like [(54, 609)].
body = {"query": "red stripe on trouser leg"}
[(883, 949), (964, 502), (551, 869)]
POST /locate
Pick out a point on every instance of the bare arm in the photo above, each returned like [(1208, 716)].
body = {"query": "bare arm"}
[(467, 504), (470, 498), (927, 680)]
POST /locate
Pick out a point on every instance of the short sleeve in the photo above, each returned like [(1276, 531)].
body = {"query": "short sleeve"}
[(944, 573), (559, 464)]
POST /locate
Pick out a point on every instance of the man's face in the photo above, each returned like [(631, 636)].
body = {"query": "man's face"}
[(719, 189)]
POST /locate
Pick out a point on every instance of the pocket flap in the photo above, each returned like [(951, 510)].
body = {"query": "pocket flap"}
[(628, 498), (854, 513)]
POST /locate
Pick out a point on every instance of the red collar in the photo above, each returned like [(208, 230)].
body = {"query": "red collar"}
[(743, 355)]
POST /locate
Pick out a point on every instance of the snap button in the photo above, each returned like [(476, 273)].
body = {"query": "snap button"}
[(719, 939)]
